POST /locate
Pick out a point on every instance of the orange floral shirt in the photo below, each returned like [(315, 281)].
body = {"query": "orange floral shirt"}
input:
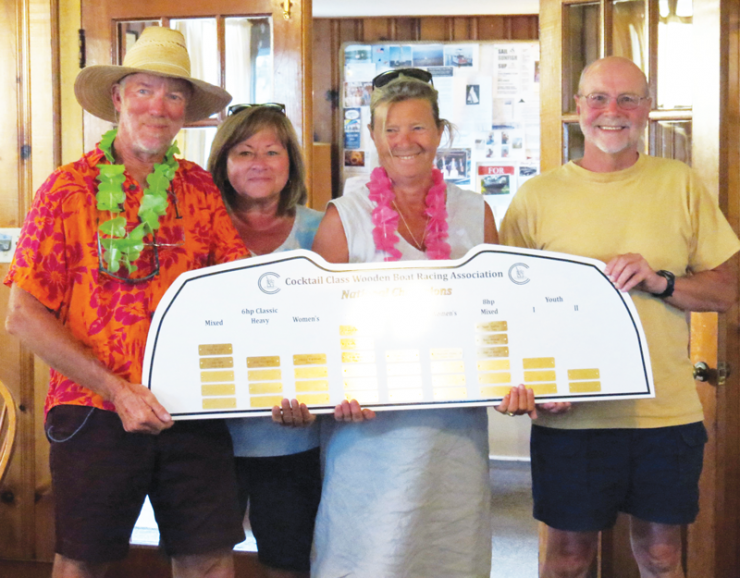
[(56, 261)]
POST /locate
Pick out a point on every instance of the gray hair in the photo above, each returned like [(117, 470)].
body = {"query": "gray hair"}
[(408, 88)]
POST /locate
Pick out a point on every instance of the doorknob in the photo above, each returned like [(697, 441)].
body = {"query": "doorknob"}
[(701, 371)]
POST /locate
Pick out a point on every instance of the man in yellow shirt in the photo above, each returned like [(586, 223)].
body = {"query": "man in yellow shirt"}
[(665, 241)]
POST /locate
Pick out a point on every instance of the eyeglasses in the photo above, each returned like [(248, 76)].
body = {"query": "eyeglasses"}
[(138, 267), (598, 100), (385, 77), (141, 263), (237, 108)]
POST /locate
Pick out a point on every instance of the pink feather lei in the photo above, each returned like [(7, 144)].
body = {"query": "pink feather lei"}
[(385, 218)]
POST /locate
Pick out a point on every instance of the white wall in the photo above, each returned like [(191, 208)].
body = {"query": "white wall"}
[(356, 9)]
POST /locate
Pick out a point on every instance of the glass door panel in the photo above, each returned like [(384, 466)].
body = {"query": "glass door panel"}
[(582, 40), (572, 141), (195, 143), (201, 38), (675, 49), (629, 31), (671, 139), (129, 32), (248, 71)]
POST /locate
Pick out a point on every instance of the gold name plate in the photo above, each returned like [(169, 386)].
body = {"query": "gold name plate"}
[(234, 339)]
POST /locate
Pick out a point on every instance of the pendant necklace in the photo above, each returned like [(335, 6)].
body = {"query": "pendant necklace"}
[(413, 237)]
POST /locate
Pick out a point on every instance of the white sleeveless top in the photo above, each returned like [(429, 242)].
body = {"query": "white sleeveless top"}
[(465, 215), (406, 494)]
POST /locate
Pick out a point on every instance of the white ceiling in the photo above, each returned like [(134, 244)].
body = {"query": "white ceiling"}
[(357, 8)]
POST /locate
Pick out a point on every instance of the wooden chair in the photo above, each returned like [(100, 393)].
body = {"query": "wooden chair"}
[(8, 428)]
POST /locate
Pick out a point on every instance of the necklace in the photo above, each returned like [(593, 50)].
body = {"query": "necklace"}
[(385, 218), (413, 237), (120, 247)]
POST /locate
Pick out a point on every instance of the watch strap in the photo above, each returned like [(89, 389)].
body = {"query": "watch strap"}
[(671, 278)]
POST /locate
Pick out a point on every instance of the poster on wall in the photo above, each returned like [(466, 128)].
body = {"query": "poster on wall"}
[(496, 179), (489, 91), (352, 128)]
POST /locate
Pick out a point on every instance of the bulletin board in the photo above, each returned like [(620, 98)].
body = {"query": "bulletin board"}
[(488, 90)]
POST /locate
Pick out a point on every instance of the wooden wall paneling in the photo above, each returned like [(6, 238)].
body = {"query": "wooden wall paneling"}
[(375, 29), (10, 215), (95, 21), (46, 156), (301, 26), (524, 27), (701, 552), (407, 28), (333, 89), (433, 28), (729, 550), (350, 30), (17, 519), (461, 28), (551, 61), (322, 80), (491, 27), (723, 18), (43, 53), (71, 127)]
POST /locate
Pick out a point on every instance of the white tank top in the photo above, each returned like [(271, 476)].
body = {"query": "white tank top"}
[(465, 217)]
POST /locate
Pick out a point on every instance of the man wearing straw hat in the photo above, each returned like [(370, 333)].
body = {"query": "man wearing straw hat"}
[(104, 239)]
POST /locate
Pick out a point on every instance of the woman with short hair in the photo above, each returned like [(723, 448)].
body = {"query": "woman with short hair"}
[(257, 164)]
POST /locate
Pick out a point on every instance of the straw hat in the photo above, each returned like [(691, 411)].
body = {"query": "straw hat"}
[(160, 51)]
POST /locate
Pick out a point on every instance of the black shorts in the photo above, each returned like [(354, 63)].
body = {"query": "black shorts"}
[(582, 478), (283, 494), (101, 475)]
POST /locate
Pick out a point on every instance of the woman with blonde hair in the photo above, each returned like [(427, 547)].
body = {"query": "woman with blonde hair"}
[(406, 493)]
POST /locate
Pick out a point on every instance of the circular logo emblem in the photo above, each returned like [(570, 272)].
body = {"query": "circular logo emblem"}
[(518, 273), (268, 283)]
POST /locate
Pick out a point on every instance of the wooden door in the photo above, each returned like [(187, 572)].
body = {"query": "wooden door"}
[(291, 86), (691, 125), (28, 153), (291, 42)]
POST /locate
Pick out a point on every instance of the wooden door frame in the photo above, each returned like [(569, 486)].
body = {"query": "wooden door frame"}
[(712, 543), (291, 75)]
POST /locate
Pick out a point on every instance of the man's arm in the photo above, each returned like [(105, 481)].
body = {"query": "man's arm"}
[(39, 330), (711, 290)]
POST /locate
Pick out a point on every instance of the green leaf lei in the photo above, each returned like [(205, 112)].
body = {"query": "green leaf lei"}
[(119, 247)]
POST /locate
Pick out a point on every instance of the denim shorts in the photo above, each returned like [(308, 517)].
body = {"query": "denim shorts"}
[(283, 493), (581, 479), (101, 475)]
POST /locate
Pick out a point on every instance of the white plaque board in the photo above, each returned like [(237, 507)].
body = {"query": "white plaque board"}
[(234, 339)]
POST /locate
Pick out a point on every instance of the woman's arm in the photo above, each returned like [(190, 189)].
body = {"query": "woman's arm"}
[(330, 241), (490, 235)]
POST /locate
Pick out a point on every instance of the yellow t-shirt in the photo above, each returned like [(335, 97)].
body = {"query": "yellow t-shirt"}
[(656, 208)]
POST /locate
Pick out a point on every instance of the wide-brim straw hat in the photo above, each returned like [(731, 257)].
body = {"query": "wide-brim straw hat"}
[(160, 51)]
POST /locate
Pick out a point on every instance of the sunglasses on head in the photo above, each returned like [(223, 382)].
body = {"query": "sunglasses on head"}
[(385, 77), (237, 108)]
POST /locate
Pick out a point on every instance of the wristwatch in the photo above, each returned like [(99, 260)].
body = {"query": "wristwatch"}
[(671, 278)]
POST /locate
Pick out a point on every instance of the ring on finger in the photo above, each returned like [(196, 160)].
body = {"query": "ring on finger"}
[(510, 413)]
